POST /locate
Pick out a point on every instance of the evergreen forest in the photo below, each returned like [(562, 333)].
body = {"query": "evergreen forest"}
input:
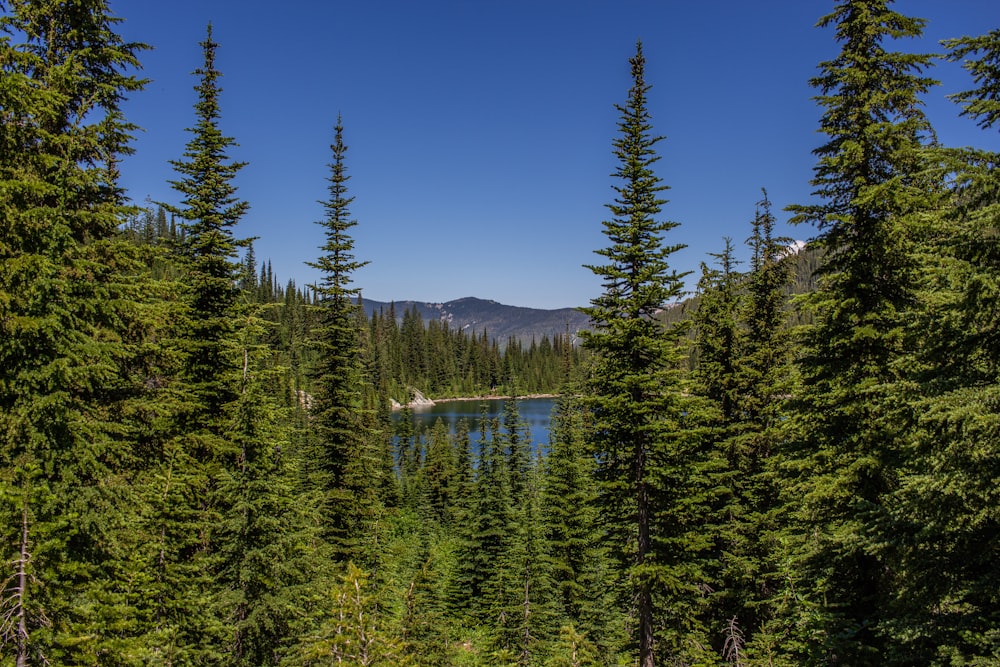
[(796, 465)]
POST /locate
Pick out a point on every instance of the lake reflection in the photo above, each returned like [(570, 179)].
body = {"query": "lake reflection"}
[(534, 411)]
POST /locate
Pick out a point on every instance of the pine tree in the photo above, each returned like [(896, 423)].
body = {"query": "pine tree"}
[(534, 619), (576, 559), (982, 102), (517, 436), (485, 588), (64, 354), (438, 476), (719, 341), (743, 367), (719, 337), (634, 394), (851, 415), (766, 383), (354, 633), (194, 607), (341, 429), (210, 210), (261, 541), (945, 605)]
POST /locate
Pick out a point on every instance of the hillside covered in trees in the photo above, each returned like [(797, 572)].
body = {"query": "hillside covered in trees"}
[(798, 466)]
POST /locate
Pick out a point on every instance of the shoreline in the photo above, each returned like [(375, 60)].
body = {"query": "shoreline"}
[(430, 402), (493, 397)]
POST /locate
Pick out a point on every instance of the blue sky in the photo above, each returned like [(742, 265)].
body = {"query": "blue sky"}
[(480, 131)]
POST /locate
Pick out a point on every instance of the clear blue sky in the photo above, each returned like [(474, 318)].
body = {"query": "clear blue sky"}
[(480, 131)]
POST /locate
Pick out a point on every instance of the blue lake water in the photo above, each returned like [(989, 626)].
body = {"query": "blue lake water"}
[(534, 411)]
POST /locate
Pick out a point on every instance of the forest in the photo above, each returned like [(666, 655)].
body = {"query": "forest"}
[(797, 466)]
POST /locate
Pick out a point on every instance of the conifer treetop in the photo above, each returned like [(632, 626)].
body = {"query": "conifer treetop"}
[(338, 262), (637, 280)]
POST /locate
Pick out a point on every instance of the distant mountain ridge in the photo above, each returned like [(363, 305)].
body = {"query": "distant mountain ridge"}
[(500, 321)]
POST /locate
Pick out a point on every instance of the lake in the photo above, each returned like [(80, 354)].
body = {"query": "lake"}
[(534, 411)]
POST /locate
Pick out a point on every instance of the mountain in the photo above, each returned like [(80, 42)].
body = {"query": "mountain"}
[(500, 321)]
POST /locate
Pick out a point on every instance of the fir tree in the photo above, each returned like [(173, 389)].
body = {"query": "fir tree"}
[(261, 540), (354, 632), (484, 586), (982, 102), (576, 558), (850, 416), (719, 336), (192, 597), (210, 210), (945, 604), (517, 436), (341, 430), (534, 620), (65, 507), (635, 396), (766, 383), (743, 368)]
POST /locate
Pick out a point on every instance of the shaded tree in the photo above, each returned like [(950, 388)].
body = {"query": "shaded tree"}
[(346, 465), (851, 415), (945, 605), (65, 350)]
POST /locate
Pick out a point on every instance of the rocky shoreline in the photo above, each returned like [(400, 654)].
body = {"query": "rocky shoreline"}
[(421, 401)]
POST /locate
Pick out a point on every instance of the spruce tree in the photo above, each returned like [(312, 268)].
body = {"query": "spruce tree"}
[(851, 416), (263, 562), (766, 383), (946, 603), (193, 600), (719, 337), (636, 401), (981, 57), (576, 559), (65, 506), (210, 210), (743, 367), (347, 468), (517, 436), (535, 617), (719, 340)]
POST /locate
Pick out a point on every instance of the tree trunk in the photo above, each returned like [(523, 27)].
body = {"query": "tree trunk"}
[(19, 593), (645, 597), (526, 638)]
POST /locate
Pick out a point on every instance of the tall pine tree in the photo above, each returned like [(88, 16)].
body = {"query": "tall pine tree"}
[(346, 459), (947, 599), (210, 210), (64, 457), (634, 395), (192, 599), (851, 414)]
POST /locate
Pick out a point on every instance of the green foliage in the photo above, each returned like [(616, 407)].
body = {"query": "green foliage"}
[(65, 501), (639, 412), (209, 209), (944, 608), (343, 451), (352, 631), (261, 558), (983, 102), (850, 417), (193, 455), (744, 369), (577, 559), (197, 594)]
